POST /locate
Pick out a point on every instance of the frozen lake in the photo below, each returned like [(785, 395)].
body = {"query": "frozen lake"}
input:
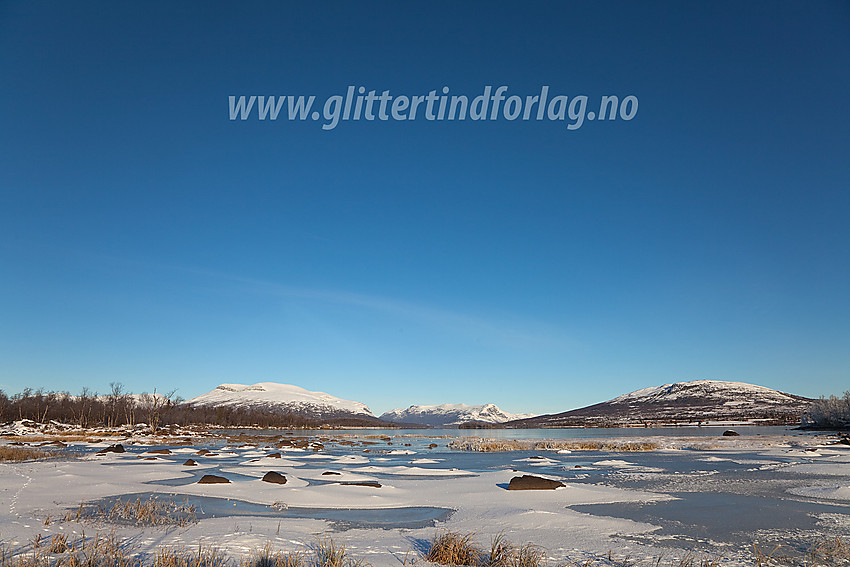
[(553, 433), (381, 490)]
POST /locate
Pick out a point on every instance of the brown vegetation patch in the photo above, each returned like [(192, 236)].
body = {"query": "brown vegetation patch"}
[(17, 454)]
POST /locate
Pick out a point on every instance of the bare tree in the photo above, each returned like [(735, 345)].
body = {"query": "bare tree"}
[(84, 407), (113, 401), (154, 405)]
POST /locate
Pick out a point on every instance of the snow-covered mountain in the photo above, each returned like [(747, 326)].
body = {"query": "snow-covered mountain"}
[(698, 401), (722, 392), (450, 414), (281, 397)]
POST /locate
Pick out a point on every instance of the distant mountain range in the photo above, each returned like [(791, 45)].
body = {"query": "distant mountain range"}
[(320, 406), (451, 414), (699, 401)]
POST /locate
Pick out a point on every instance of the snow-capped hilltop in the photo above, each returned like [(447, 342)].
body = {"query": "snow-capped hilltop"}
[(694, 402), (450, 414), (280, 397), (724, 392)]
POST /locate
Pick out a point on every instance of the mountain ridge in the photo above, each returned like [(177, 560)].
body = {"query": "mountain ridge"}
[(688, 402), (451, 414)]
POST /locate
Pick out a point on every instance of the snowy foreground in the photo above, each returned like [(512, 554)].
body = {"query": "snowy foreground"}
[(714, 496)]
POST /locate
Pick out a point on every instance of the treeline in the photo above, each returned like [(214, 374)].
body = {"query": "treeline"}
[(119, 408), (829, 413)]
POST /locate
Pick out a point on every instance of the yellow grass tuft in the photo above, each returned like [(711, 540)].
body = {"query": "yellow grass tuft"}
[(330, 554), (452, 548), (58, 544), (266, 557)]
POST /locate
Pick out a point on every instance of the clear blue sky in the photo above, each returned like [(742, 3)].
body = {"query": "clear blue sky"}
[(146, 238)]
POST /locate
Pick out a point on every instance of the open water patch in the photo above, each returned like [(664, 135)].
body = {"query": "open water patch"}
[(408, 517), (718, 517)]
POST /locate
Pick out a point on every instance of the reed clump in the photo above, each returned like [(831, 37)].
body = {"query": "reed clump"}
[(15, 454), (266, 556), (151, 511), (328, 553), (453, 548)]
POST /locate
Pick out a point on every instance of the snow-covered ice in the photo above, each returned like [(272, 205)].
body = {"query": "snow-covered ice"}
[(473, 486)]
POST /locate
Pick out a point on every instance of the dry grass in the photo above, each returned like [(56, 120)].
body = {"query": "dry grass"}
[(58, 544), (447, 548), (527, 555), (99, 551), (452, 548), (829, 552), (327, 553), (10, 454), (109, 551), (481, 445), (179, 557), (150, 512), (689, 560), (267, 557)]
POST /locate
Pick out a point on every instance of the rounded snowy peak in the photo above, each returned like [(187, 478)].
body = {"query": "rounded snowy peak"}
[(704, 389), (273, 394)]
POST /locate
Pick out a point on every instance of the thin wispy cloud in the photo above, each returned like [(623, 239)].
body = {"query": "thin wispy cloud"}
[(503, 329), (508, 330)]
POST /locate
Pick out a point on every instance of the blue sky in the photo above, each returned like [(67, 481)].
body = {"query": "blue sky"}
[(146, 238)]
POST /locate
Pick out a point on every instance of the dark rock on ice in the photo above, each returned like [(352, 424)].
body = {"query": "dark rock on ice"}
[(213, 479), (274, 477), (531, 482)]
